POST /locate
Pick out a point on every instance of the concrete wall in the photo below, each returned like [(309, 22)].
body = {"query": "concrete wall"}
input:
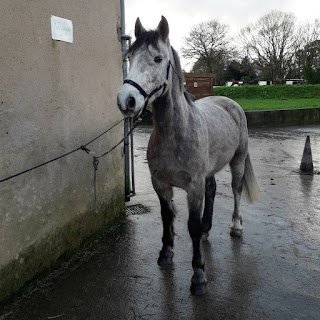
[(286, 117), (274, 118), (55, 96)]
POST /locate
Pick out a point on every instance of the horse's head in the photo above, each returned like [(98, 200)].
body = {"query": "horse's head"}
[(149, 72)]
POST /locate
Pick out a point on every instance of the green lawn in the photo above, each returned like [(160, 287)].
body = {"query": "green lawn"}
[(271, 104)]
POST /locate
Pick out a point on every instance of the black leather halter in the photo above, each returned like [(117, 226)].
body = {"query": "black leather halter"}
[(146, 95)]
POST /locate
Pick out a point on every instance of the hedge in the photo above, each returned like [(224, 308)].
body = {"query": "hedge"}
[(269, 92)]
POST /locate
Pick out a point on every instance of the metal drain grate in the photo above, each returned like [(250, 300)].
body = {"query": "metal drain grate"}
[(136, 209)]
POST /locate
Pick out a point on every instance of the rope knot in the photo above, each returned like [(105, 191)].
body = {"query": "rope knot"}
[(84, 148), (95, 163)]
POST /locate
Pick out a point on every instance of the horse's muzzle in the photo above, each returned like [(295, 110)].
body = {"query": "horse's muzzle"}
[(129, 103)]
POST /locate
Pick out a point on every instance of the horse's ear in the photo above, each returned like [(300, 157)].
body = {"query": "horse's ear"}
[(163, 28), (139, 29)]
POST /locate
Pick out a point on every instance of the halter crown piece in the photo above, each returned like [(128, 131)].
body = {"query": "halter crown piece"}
[(146, 95)]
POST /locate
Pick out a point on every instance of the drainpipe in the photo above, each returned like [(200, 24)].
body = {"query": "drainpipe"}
[(128, 153)]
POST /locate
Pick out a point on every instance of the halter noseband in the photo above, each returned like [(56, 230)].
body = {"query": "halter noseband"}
[(146, 95)]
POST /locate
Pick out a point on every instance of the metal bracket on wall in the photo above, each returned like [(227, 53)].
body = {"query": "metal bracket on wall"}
[(128, 125)]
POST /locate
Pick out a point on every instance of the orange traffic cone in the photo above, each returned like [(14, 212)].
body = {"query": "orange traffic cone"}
[(306, 161)]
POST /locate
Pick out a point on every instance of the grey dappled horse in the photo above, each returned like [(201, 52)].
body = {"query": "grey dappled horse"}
[(190, 141)]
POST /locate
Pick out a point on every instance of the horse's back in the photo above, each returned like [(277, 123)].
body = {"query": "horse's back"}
[(221, 107)]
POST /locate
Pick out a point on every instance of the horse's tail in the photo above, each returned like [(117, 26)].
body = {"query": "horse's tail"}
[(250, 184)]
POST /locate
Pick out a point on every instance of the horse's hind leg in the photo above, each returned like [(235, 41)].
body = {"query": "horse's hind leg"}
[(195, 202), (165, 194), (237, 166), (208, 206)]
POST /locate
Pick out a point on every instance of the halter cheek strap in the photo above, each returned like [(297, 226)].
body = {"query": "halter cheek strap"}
[(146, 95)]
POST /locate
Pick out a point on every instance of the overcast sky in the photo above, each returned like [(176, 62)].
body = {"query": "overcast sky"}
[(183, 14)]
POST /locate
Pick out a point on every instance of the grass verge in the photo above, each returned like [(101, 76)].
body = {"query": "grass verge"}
[(273, 104), (307, 91)]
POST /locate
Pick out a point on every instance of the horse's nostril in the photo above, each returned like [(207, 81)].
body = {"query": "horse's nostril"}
[(131, 103)]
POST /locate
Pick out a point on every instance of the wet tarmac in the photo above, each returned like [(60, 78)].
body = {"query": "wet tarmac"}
[(273, 272)]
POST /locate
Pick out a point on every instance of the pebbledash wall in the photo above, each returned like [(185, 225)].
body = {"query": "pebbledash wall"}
[(55, 96)]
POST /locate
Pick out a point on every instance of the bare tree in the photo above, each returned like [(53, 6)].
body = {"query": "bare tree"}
[(271, 43), (307, 55), (307, 33), (208, 45)]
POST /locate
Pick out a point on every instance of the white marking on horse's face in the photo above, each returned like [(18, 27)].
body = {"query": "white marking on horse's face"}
[(148, 73)]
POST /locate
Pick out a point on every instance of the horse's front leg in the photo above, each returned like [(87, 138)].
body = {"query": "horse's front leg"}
[(165, 194), (195, 202)]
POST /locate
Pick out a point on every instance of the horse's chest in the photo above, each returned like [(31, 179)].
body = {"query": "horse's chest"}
[(168, 168)]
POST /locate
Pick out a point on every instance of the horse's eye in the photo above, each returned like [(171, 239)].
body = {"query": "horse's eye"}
[(158, 59)]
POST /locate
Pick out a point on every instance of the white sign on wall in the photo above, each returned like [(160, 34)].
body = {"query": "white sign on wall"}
[(61, 29)]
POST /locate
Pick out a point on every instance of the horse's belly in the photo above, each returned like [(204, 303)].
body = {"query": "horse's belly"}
[(179, 178), (222, 159)]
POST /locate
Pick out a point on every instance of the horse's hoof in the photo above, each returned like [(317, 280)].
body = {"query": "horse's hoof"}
[(198, 289), (205, 236), (236, 233), (165, 257), (198, 282)]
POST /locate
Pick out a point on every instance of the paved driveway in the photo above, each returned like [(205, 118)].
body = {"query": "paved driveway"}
[(273, 272)]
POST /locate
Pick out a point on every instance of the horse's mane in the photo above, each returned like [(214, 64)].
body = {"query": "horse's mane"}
[(177, 68), (178, 71)]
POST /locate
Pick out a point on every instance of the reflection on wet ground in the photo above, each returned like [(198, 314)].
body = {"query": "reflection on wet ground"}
[(273, 272)]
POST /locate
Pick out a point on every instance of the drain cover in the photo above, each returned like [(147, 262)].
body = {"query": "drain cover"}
[(136, 209)]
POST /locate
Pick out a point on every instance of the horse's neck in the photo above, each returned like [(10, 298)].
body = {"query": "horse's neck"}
[(170, 113)]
